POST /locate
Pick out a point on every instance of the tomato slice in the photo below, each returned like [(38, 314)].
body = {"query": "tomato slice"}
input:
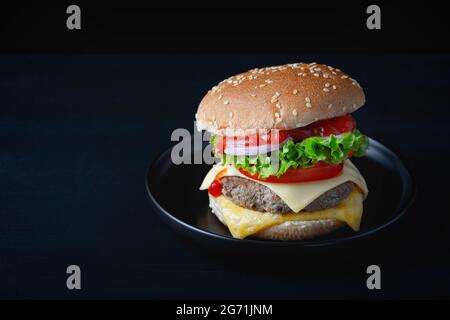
[(321, 128), (319, 171), (324, 128)]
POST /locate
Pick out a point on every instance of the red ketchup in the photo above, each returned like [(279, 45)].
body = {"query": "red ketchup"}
[(215, 189)]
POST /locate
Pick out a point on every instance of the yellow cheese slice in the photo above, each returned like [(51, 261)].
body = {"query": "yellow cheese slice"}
[(297, 195), (244, 222)]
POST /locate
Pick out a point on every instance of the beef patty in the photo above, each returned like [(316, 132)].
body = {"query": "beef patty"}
[(253, 195)]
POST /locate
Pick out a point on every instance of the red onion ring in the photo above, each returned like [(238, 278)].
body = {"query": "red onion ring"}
[(253, 150)]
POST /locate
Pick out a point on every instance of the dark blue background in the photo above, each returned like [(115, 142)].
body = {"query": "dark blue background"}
[(77, 134)]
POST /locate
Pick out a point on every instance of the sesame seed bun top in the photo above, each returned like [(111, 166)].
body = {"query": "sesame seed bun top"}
[(281, 97)]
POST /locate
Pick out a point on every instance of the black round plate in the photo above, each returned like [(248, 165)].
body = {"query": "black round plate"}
[(174, 193)]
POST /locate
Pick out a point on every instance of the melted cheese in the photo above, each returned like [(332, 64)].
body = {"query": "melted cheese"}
[(296, 195), (243, 222)]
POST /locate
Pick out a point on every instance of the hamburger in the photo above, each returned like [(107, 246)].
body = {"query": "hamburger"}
[(285, 138)]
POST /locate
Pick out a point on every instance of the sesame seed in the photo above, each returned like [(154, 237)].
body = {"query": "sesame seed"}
[(295, 91), (231, 114), (294, 112), (278, 106), (334, 87), (327, 84), (344, 77), (226, 102), (307, 99), (277, 115), (326, 75), (275, 97), (308, 105), (316, 74), (220, 97), (330, 105), (354, 83), (253, 95), (262, 85), (326, 89)]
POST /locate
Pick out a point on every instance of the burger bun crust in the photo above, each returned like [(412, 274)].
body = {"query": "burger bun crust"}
[(280, 97)]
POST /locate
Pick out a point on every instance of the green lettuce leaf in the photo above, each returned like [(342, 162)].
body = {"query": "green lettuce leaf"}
[(332, 149), (213, 139)]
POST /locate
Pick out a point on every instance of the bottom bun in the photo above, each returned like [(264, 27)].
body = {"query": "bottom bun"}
[(290, 230)]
